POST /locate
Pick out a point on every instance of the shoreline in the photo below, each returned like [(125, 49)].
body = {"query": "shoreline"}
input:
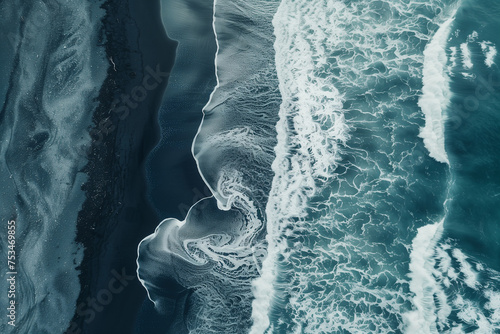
[(174, 182), (116, 214)]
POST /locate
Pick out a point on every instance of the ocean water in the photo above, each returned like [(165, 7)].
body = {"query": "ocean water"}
[(350, 148)]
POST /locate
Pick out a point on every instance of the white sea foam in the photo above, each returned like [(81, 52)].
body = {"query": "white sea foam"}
[(466, 269), (457, 285), (453, 59), (440, 289), (473, 36), (309, 108), (466, 56), (489, 51), (423, 284), (470, 314), (435, 93), (493, 305)]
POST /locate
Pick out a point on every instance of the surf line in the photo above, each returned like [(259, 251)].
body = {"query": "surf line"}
[(433, 102), (219, 203), (436, 92)]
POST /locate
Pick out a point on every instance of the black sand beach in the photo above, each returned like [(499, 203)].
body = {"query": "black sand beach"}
[(116, 214)]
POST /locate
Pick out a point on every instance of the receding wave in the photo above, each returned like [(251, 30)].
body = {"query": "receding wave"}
[(217, 249)]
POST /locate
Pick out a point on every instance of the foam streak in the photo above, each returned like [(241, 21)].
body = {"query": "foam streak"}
[(435, 93)]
